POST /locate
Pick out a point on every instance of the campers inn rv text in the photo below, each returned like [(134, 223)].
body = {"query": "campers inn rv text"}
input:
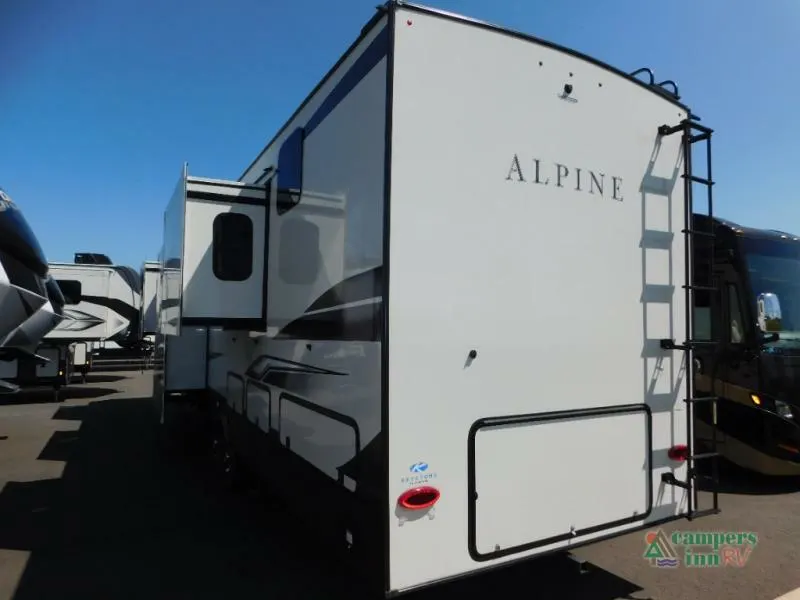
[(581, 180)]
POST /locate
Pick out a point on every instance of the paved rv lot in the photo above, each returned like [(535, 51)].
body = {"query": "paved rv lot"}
[(90, 508)]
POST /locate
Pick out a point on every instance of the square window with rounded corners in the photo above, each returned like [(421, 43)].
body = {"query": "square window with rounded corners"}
[(71, 290), (232, 247)]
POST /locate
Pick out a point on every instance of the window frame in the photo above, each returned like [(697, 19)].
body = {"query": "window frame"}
[(220, 250)]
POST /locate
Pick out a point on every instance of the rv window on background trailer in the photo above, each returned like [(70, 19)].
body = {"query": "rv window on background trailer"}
[(232, 247), (71, 290)]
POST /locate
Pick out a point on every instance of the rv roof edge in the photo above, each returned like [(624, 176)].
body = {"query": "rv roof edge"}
[(381, 10)]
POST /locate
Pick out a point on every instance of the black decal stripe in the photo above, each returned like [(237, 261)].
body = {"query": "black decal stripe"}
[(79, 315), (353, 289), (22, 275), (118, 306), (80, 326), (233, 199), (361, 323), (301, 367)]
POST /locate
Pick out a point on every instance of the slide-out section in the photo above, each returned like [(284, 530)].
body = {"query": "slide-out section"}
[(213, 262)]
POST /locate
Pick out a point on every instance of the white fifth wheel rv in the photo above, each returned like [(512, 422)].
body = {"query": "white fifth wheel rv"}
[(456, 276), (103, 302)]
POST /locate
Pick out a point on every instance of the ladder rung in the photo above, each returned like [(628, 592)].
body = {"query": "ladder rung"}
[(699, 399), (702, 128), (667, 344), (700, 137), (697, 179), (700, 288)]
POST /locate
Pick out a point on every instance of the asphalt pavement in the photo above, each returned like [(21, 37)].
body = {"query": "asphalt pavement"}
[(90, 508)]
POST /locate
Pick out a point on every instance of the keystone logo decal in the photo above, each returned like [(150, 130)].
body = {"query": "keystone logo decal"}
[(420, 474), (700, 548)]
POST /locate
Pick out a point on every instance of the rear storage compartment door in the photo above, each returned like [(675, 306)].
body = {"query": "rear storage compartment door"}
[(541, 479)]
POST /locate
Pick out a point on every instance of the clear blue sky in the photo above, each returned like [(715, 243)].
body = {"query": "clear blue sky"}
[(101, 101)]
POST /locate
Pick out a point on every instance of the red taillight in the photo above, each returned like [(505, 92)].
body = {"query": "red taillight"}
[(419, 498), (679, 452)]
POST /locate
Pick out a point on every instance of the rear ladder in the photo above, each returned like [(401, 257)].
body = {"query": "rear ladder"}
[(693, 132)]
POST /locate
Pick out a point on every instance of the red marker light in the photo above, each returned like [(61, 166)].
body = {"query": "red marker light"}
[(419, 498), (679, 452), (409, 22)]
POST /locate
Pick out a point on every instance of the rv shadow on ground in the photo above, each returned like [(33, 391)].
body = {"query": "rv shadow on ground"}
[(46, 396), (127, 521), (736, 480)]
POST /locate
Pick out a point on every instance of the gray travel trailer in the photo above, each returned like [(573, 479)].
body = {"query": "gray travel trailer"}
[(384, 295)]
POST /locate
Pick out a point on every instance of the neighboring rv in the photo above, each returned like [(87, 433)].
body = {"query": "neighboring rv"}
[(29, 361), (396, 338), (149, 276), (30, 302), (100, 301), (756, 373), (103, 302)]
